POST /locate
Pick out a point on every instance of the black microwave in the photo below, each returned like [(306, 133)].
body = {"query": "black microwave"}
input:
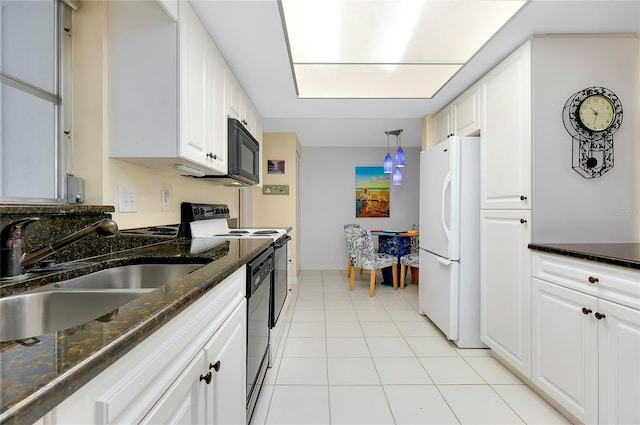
[(243, 158)]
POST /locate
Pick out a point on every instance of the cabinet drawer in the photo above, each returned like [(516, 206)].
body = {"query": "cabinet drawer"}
[(617, 284)]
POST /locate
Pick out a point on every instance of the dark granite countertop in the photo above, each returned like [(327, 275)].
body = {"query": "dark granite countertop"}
[(618, 254), (35, 378), (62, 209)]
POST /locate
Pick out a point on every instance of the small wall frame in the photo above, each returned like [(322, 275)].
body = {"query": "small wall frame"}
[(282, 189)]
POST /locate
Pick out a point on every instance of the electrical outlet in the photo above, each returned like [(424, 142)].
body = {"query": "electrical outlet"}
[(164, 200), (126, 199)]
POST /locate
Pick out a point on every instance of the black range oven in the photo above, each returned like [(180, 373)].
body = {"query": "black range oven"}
[(259, 278), (279, 291)]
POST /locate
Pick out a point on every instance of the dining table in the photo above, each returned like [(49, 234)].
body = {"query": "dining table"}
[(396, 243)]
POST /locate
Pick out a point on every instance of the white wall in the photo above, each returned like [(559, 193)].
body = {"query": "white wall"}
[(567, 207), (327, 201)]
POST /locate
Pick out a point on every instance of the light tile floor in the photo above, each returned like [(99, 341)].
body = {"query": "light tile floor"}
[(351, 359)]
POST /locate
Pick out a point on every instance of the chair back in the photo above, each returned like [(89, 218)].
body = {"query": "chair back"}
[(415, 241), (364, 250), (351, 233)]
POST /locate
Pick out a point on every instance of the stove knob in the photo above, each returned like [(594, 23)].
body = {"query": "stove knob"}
[(226, 210), (216, 211)]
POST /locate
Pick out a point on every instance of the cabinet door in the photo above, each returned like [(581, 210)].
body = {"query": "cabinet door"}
[(506, 134), (565, 347), (619, 364), (442, 127), (226, 359), (233, 94), (184, 401), (505, 285), (194, 62), (466, 113), (216, 142)]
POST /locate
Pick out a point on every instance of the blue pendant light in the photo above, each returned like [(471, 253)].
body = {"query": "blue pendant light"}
[(388, 162), (397, 177), (399, 154)]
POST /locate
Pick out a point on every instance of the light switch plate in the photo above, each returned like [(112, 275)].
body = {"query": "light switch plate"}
[(126, 199), (164, 200)]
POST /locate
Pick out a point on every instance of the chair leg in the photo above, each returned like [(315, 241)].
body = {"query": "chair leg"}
[(415, 272), (349, 266), (372, 282), (403, 271), (352, 279), (394, 271)]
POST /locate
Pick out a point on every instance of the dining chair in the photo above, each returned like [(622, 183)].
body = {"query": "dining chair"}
[(351, 233), (411, 260), (368, 259)]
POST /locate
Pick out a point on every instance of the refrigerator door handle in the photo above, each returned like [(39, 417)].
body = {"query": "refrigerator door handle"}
[(444, 261), (447, 182)]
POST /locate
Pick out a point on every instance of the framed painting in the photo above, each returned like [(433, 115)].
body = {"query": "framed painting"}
[(372, 192), (275, 166)]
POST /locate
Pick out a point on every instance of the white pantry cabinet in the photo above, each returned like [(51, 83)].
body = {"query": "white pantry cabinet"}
[(586, 337), (159, 381), (166, 86), (505, 292), (505, 153)]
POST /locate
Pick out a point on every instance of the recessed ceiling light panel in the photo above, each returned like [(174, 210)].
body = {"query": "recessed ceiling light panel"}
[(445, 33), (371, 81)]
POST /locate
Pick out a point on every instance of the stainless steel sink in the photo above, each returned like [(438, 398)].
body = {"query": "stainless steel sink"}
[(79, 300), (39, 312), (137, 276)]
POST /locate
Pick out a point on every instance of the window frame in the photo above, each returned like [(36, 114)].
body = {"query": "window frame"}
[(61, 100)]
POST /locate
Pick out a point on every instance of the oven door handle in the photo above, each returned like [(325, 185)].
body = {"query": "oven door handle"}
[(282, 241)]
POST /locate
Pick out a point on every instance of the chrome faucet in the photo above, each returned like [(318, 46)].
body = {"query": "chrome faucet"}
[(13, 258)]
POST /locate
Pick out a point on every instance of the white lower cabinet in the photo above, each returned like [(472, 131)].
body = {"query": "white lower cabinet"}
[(505, 291), (190, 371), (184, 402), (211, 388), (618, 364), (565, 347), (225, 356), (586, 349)]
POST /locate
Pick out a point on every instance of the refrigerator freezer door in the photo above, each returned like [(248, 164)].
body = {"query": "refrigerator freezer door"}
[(439, 200), (438, 295)]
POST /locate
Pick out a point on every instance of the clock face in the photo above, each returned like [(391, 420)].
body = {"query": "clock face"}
[(596, 113)]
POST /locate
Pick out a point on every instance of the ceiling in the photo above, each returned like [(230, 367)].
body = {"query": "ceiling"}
[(249, 34)]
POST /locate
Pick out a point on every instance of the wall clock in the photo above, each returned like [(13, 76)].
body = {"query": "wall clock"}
[(591, 116)]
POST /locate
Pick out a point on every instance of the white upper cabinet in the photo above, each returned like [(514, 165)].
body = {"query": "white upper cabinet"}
[(201, 92), (169, 89), (466, 112), (239, 106), (506, 133), (442, 125), (460, 118)]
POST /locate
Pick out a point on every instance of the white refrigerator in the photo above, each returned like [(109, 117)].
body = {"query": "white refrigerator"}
[(449, 289)]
